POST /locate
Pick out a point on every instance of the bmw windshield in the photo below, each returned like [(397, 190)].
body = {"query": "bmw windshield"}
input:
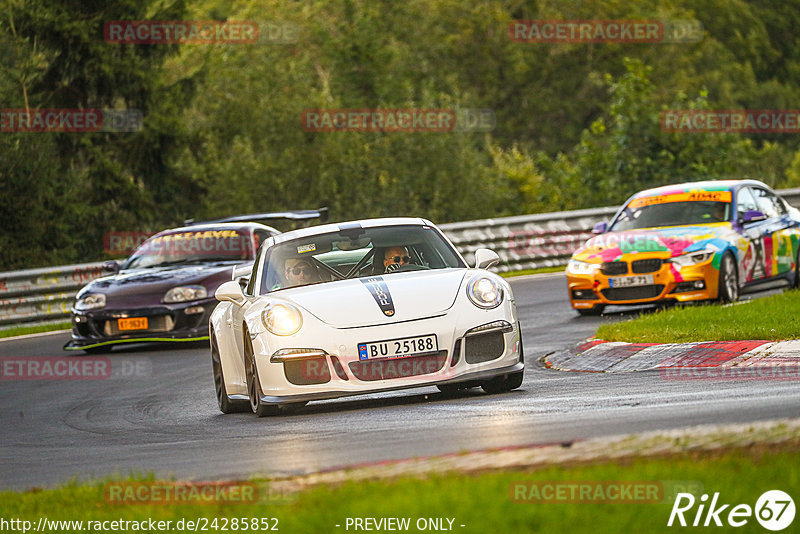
[(638, 215)]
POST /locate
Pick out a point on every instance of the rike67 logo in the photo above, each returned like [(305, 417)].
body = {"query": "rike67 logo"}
[(774, 510)]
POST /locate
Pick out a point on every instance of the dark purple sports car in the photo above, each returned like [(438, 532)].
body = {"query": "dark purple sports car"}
[(165, 290)]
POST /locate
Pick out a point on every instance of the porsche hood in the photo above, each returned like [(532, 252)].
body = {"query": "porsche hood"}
[(380, 299)]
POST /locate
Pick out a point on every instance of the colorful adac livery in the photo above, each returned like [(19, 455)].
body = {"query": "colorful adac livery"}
[(692, 241)]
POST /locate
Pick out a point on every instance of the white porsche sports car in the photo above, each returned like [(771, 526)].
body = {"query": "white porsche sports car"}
[(361, 307)]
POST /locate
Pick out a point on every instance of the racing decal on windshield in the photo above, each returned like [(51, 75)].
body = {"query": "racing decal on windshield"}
[(693, 196), (380, 292)]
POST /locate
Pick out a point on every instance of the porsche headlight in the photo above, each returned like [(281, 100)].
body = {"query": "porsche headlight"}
[(693, 258), (90, 301), (185, 293), (581, 267), (282, 319), (484, 292)]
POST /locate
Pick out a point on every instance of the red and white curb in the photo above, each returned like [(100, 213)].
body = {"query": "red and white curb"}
[(707, 358)]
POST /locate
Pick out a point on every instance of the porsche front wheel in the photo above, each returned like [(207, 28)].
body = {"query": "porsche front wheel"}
[(225, 403), (253, 383), (507, 382)]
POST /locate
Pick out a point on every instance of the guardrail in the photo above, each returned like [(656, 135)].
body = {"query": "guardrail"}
[(522, 242)]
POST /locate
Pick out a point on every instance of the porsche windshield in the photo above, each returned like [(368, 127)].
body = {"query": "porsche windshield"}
[(201, 246), (672, 214), (354, 253)]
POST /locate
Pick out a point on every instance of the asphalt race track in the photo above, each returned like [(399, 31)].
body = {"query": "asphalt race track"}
[(161, 415)]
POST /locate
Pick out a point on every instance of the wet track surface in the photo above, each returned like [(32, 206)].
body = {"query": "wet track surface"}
[(164, 418)]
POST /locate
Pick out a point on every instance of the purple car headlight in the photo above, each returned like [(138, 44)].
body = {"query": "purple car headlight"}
[(185, 294), (90, 301)]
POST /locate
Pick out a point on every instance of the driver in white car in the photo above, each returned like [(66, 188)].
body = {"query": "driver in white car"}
[(394, 258), (300, 272)]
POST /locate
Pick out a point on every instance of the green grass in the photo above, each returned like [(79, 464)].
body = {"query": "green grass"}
[(23, 330), (769, 318), (482, 502), (523, 272)]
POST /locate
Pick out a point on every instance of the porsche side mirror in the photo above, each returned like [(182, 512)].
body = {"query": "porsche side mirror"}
[(753, 216), (111, 266), (600, 228), (241, 273), (485, 258), (230, 292)]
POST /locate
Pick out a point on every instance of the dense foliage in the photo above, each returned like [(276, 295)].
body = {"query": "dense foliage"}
[(577, 125)]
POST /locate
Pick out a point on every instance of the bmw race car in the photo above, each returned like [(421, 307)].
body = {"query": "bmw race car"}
[(165, 290), (360, 307), (687, 242)]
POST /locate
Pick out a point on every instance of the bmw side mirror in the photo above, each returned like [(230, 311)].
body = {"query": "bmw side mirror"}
[(600, 228), (111, 266), (485, 258), (753, 216), (230, 292)]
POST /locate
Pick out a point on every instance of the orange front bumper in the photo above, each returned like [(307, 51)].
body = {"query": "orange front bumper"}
[(694, 282)]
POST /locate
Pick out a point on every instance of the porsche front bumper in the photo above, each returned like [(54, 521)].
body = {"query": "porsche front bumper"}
[(477, 346)]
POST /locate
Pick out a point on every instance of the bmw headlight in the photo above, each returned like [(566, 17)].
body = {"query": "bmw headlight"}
[(282, 319), (581, 267), (484, 292), (90, 301), (693, 258), (185, 293)]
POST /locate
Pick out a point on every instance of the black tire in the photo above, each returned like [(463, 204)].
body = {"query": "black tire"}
[(728, 286), (796, 283), (253, 383), (225, 403), (592, 312), (509, 381)]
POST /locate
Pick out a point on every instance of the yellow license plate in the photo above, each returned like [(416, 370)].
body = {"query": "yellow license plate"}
[(132, 323)]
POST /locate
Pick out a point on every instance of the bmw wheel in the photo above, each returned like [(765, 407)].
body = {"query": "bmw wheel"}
[(797, 271), (728, 287)]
